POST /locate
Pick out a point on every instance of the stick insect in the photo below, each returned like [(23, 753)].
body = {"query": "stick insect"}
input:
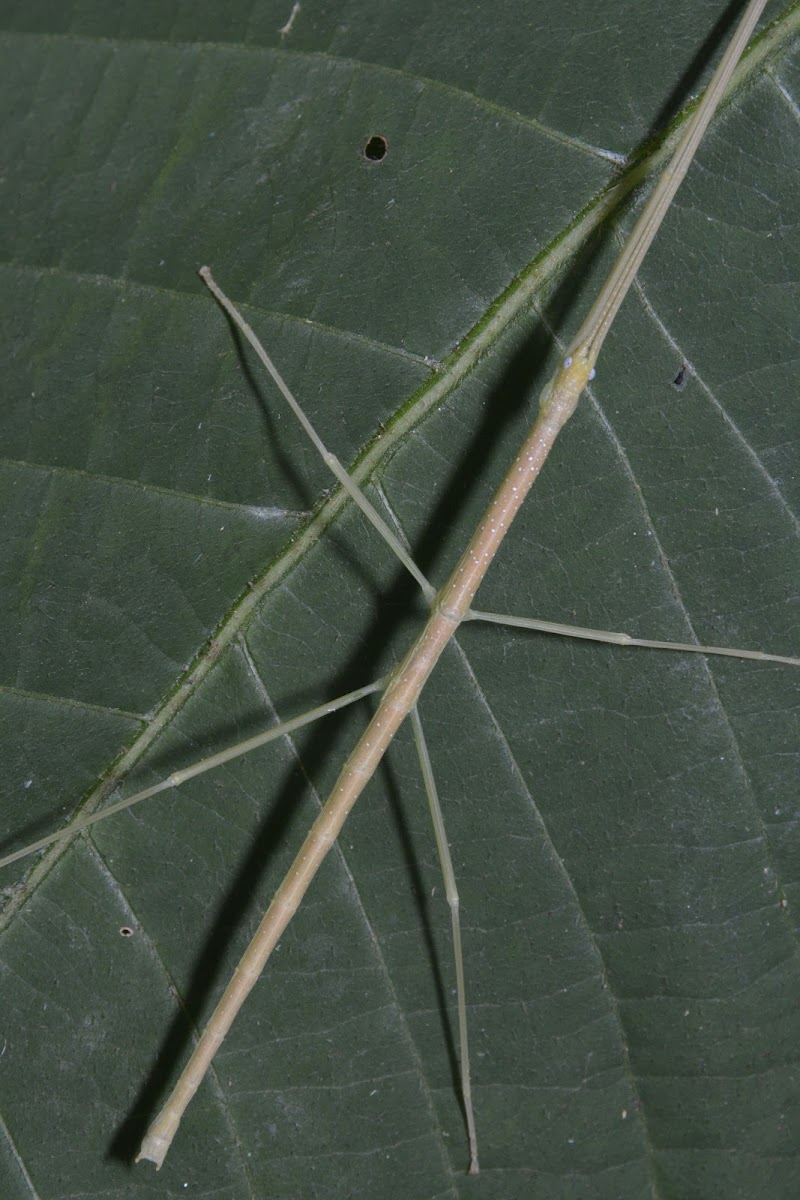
[(620, 917)]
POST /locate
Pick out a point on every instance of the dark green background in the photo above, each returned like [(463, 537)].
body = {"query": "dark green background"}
[(624, 824)]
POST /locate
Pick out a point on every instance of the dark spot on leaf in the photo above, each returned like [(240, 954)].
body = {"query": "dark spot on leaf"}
[(375, 149), (680, 379)]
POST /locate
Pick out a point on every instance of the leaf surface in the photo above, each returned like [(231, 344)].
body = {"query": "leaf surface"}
[(178, 574)]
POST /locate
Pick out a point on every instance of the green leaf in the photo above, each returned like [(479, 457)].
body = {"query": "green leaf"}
[(624, 823)]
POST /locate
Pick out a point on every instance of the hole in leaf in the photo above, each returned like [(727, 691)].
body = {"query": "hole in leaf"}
[(375, 149), (126, 931)]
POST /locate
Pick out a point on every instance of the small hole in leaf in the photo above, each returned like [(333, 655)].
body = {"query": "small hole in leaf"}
[(126, 931), (679, 382), (375, 149)]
